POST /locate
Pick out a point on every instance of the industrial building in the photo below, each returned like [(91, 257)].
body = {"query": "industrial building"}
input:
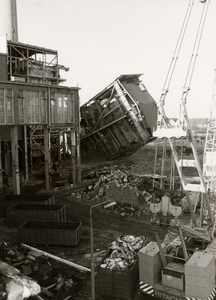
[(37, 113)]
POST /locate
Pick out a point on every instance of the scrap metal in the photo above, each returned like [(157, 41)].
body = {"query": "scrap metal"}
[(123, 252)]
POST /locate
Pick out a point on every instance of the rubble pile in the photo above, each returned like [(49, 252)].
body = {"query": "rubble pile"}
[(131, 193), (119, 179), (123, 252), (55, 280)]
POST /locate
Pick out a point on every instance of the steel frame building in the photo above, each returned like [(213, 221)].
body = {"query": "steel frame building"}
[(32, 98)]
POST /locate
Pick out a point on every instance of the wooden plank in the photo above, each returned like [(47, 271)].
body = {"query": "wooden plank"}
[(64, 261)]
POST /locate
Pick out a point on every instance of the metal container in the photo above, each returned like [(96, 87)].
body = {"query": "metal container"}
[(17, 214), (118, 283), (52, 233), (9, 200)]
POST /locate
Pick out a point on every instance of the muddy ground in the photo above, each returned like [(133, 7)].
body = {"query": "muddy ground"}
[(108, 224)]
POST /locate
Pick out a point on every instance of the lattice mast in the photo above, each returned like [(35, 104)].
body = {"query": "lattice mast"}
[(189, 183), (209, 158)]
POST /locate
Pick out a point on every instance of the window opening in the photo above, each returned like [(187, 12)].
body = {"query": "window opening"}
[(62, 108), (2, 107), (10, 106), (32, 107), (21, 106)]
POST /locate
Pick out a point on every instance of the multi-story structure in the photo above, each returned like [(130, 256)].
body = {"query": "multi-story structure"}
[(32, 98)]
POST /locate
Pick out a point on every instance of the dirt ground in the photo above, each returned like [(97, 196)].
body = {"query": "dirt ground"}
[(108, 224)]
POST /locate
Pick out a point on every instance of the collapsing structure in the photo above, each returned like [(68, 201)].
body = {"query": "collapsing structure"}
[(120, 119)]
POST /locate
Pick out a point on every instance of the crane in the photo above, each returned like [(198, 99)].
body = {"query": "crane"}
[(189, 183), (186, 246)]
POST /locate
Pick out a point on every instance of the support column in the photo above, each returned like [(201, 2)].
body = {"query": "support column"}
[(64, 147), (59, 148), (78, 157), (7, 158), (15, 160), (73, 155), (25, 154), (1, 178), (47, 158), (30, 153)]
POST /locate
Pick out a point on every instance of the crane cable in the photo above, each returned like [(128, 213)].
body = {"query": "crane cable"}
[(197, 43), (172, 68), (176, 53), (194, 55)]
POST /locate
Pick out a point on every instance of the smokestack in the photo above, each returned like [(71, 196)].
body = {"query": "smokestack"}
[(8, 19)]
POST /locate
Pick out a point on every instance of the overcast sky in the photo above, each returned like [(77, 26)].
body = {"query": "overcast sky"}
[(101, 39)]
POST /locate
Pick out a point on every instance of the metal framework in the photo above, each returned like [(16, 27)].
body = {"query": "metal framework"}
[(209, 158), (120, 119), (33, 64), (189, 183)]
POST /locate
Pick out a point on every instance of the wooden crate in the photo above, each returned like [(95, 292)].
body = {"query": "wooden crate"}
[(52, 233), (17, 214), (9, 200), (118, 283)]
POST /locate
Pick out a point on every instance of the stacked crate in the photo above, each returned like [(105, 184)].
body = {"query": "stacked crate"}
[(150, 263), (200, 275)]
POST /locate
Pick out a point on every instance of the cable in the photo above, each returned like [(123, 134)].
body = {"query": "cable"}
[(176, 53), (196, 44)]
